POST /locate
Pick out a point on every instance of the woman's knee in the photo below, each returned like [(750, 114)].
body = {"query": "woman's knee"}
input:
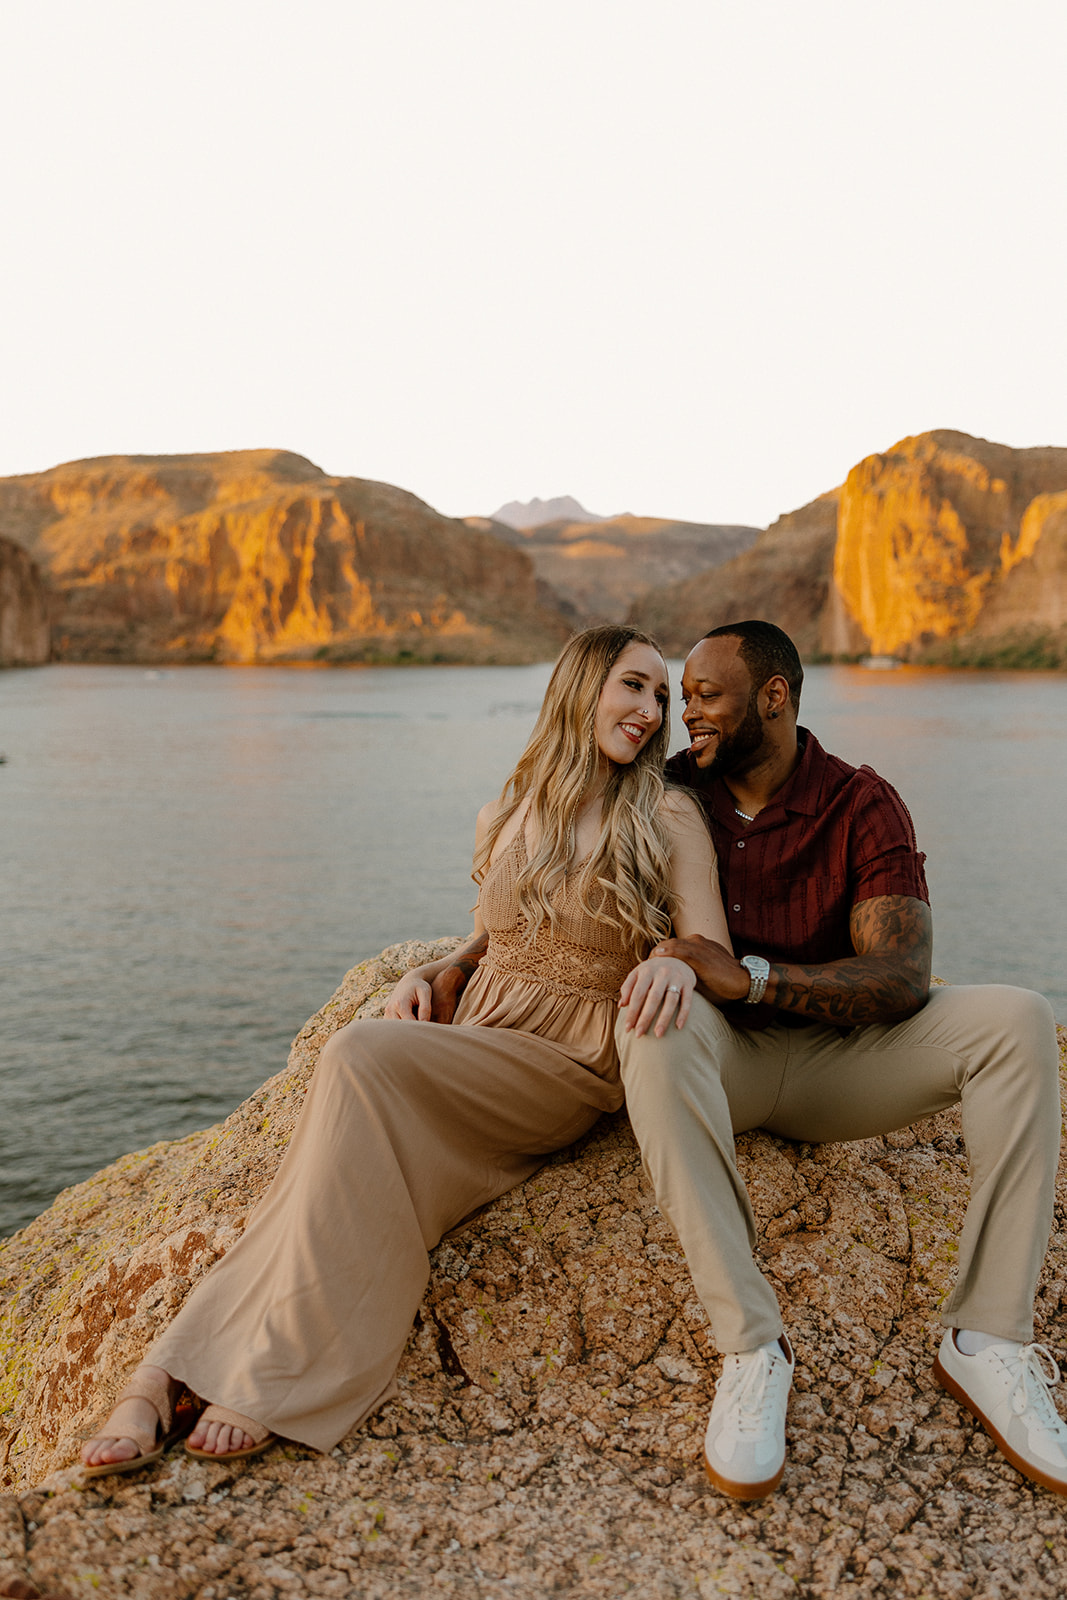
[(348, 1054)]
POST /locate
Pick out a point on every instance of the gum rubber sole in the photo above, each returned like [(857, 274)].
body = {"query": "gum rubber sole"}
[(1027, 1468), (743, 1491)]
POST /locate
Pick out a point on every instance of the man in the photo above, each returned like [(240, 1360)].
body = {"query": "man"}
[(823, 1027), (826, 1029)]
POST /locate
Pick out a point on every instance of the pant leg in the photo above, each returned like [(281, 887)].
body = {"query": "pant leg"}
[(407, 1129), (687, 1094), (993, 1049)]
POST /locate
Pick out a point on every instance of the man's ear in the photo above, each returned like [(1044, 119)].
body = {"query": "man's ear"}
[(776, 697)]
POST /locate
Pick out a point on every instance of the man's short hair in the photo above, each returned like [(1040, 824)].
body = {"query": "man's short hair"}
[(767, 653)]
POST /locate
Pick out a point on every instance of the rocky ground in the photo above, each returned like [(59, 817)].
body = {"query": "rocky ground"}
[(546, 1436)]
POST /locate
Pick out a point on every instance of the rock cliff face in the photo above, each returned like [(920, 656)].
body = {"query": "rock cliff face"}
[(785, 578), (25, 635), (546, 1434), (259, 556), (930, 533), (944, 548)]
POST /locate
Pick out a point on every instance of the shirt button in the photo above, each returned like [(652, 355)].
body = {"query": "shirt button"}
[(740, 844), (737, 908)]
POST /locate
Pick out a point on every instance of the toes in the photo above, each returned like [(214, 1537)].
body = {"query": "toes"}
[(106, 1450), (219, 1438)]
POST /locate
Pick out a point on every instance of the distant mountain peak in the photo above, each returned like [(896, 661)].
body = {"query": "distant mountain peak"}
[(533, 513)]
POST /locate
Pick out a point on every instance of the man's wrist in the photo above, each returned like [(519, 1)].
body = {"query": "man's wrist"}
[(758, 969)]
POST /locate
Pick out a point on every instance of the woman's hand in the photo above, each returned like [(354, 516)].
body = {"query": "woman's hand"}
[(659, 989), (411, 1000)]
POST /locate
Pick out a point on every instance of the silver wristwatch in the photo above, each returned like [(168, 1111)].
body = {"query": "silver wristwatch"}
[(759, 971)]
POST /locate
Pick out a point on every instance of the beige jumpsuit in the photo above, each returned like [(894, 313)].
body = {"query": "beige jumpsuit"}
[(408, 1127)]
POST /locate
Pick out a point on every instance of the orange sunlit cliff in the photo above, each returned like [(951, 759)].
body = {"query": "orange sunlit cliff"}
[(259, 556), (929, 532), (943, 548)]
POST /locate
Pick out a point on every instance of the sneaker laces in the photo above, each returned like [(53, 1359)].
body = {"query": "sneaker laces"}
[(1037, 1372), (750, 1391)]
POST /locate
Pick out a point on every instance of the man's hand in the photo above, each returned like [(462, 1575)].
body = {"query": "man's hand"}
[(720, 976)]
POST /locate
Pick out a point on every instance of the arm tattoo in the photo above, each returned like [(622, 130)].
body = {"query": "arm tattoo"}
[(887, 980), (466, 961)]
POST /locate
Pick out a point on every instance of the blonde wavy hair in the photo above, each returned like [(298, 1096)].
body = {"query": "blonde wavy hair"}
[(630, 863)]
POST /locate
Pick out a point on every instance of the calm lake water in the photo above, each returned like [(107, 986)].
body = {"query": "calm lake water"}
[(190, 860)]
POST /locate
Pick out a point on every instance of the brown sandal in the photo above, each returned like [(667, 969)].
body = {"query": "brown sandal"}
[(175, 1421), (262, 1437)]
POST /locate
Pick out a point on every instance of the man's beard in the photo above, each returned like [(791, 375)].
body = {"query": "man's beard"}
[(738, 747)]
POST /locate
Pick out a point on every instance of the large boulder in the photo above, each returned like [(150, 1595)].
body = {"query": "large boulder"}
[(546, 1434)]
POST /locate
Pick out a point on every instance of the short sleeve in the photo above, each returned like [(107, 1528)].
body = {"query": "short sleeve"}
[(884, 858)]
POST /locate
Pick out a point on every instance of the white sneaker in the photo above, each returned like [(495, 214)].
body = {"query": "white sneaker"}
[(1007, 1386), (744, 1447)]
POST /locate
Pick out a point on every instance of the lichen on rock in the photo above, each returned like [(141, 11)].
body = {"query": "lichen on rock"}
[(546, 1433)]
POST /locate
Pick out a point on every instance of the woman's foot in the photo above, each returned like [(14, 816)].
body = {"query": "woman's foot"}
[(225, 1435), (137, 1431), (216, 1438)]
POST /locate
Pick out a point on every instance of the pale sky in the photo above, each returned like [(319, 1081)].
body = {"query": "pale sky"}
[(688, 258)]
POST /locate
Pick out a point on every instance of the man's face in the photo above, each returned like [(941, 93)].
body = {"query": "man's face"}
[(721, 707)]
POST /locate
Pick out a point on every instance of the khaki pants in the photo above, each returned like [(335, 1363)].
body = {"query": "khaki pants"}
[(993, 1049)]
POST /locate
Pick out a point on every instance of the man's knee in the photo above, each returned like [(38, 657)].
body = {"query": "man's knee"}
[(1004, 1017), (1027, 1016)]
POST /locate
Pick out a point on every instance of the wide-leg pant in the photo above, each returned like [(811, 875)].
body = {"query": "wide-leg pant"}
[(407, 1129), (991, 1048)]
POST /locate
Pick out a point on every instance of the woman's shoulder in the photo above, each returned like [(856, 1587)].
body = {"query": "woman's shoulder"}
[(679, 806), (500, 821), (489, 813), (684, 821)]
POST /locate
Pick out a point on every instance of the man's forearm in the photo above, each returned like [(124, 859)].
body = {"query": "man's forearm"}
[(849, 993), (465, 960), (451, 980), (887, 980)]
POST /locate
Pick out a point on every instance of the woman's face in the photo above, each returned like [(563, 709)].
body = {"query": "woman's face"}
[(631, 705)]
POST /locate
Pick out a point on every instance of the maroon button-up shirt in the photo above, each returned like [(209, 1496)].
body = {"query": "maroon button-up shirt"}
[(832, 836)]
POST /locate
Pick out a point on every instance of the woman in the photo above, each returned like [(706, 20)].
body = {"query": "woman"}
[(582, 864)]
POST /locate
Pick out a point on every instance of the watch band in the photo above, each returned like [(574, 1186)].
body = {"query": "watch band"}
[(759, 970)]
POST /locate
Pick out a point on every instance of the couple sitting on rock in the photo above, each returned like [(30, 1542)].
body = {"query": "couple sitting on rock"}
[(739, 938)]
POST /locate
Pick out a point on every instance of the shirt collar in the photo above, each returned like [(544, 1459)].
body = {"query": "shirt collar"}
[(802, 790)]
